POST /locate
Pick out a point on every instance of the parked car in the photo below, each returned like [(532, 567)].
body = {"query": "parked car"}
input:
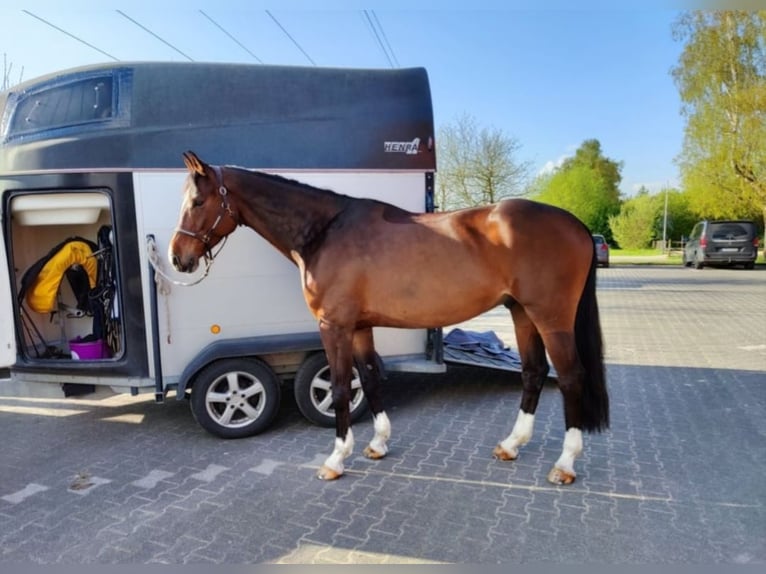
[(722, 243), (602, 250)]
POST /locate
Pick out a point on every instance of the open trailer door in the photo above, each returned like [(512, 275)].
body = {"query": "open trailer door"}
[(7, 335)]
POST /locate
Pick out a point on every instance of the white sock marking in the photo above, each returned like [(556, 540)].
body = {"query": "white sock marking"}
[(572, 449), (520, 435), (343, 449), (382, 433)]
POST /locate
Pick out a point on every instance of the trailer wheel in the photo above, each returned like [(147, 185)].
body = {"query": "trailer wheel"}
[(314, 396), (235, 398)]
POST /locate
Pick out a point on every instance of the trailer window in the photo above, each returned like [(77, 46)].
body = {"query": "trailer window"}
[(48, 109)]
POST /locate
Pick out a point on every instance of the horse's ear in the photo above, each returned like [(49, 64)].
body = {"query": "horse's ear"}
[(193, 163)]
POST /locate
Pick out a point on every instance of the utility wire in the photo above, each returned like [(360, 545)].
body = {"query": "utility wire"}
[(145, 29), (385, 38), (44, 21), (257, 59), (377, 37), (291, 38)]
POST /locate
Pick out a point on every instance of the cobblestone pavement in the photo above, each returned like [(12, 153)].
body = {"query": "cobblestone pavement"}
[(677, 479)]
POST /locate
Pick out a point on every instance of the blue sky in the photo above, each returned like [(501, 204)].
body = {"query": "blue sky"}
[(550, 77)]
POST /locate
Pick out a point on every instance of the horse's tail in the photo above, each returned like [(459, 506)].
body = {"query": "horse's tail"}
[(590, 348)]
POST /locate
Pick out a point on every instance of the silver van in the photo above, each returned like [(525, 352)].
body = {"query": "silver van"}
[(722, 243)]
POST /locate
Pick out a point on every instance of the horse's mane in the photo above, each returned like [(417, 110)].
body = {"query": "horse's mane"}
[(392, 212), (291, 182)]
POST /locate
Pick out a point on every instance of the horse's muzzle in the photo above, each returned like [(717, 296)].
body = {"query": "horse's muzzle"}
[(187, 264)]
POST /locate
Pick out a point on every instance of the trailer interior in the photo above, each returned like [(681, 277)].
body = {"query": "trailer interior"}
[(62, 257)]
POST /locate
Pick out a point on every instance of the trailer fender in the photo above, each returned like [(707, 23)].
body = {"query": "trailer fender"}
[(246, 347)]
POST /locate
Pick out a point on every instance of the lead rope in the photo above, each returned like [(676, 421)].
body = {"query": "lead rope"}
[(164, 281), (155, 260), (161, 280)]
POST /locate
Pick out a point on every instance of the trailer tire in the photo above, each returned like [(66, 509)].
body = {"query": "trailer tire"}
[(235, 398), (314, 397)]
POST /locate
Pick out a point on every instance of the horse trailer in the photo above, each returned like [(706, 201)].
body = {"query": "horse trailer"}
[(91, 176)]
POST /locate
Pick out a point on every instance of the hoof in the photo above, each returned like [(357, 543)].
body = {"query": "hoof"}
[(501, 454), (373, 454), (326, 473), (560, 477)]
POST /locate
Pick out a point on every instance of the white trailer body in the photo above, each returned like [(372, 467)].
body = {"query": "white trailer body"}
[(95, 154)]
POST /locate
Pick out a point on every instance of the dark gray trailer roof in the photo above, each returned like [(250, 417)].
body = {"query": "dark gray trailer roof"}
[(144, 115)]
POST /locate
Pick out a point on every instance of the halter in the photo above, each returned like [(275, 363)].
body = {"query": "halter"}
[(224, 210)]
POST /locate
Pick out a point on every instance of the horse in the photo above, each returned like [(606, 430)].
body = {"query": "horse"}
[(365, 263)]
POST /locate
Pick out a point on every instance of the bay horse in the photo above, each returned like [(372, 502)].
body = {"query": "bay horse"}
[(364, 263)]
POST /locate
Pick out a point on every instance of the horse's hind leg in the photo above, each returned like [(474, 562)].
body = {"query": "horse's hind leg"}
[(534, 369), (370, 372), (562, 349)]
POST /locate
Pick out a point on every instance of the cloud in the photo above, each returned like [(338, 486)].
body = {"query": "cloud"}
[(552, 165)]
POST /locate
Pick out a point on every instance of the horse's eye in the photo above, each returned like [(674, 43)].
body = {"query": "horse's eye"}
[(197, 202)]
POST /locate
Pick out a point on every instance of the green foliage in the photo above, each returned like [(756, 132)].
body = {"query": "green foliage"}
[(721, 77), (477, 166), (643, 216), (589, 154), (635, 227), (681, 216), (587, 185)]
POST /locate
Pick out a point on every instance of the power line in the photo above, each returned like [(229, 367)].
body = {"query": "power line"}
[(232, 37), (44, 21), (145, 29), (385, 38), (377, 37), (291, 38)]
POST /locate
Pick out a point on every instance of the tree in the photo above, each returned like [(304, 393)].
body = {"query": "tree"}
[(721, 78), (586, 184), (681, 216), (589, 154), (477, 166), (635, 227), (642, 218)]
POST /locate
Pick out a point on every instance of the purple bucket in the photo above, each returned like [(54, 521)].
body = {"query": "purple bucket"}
[(86, 350)]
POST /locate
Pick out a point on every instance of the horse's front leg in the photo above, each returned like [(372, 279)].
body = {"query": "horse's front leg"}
[(337, 342), (370, 371)]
